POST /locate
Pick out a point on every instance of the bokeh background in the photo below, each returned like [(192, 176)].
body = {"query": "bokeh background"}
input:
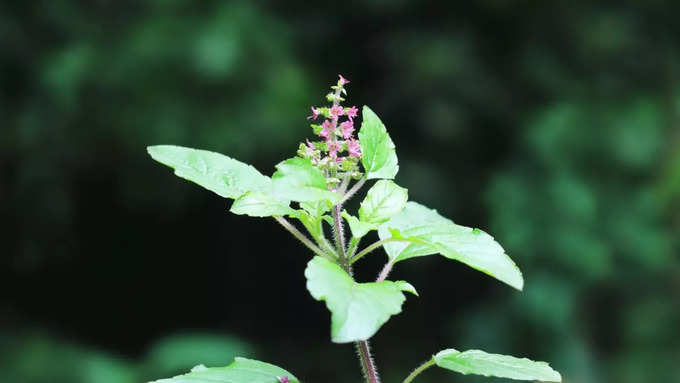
[(552, 125)]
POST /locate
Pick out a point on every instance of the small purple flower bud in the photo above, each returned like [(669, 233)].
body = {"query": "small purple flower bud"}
[(283, 379), (347, 128), (342, 80), (353, 148), (336, 111), (327, 129), (333, 148), (315, 114), (351, 112)]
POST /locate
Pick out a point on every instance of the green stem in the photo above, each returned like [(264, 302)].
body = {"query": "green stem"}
[(353, 190), (374, 246), (297, 234), (363, 347), (418, 370), (352, 248), (339, 233)]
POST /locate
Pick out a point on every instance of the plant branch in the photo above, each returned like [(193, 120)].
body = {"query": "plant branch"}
[(353, 190), (344, 184), (385, 271), (418, 370), (374, 246), (352, 248), (339, 234), (297, 234)]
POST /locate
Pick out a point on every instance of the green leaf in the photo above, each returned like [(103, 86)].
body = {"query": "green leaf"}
[(316, 208), (359, 229), (256, 204), (311, 215), (378, 155), (216, 172), (358, 310), (310, 222), (242, 370), (181, 351), (382, 201), (296, 179), (431, 234), (501, 366)]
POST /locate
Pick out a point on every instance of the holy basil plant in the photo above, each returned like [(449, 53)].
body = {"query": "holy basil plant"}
[(312, 188)]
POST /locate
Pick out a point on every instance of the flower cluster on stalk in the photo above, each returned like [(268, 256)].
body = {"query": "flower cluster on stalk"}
[(338, 153)]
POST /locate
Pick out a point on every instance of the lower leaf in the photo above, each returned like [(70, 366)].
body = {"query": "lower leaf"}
[(241, 370), (502, 366)]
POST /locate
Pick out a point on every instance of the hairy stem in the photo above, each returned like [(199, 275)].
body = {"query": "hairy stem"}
[(374, 246), (367, 364), (353, 190), (339, 232), (344, 184), (385, 271), (363, 347), (297, 234), (352, 248), (418, 370)]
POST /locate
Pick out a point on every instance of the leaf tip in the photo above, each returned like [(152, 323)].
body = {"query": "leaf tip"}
[(405, 286)]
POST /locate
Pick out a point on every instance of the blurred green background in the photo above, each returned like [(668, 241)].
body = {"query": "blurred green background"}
[(552, 125)]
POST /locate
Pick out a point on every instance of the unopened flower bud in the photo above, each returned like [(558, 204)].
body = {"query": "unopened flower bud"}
[(315, 114), (342, 81)]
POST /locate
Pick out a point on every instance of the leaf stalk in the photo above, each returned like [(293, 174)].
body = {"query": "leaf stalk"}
[(418, 370), (297, 234)]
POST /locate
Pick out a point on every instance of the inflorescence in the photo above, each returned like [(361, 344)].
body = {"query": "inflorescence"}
[(337, 139)]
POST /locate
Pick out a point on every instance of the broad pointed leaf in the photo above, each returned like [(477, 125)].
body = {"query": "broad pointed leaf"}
[(358, 228), (378, 155), (242, 370), (501, 366), (383, 200), (358, 310), (296, 179), (257, 204), (216, 172), (432, 234)]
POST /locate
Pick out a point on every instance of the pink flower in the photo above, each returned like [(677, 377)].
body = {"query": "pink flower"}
[(336, 111), (283, 379), (343, 80), (333, 148), (339, 159), (347, 128), (326, 129), (310, 145), (353, 148), (315, 114), (351, 112)]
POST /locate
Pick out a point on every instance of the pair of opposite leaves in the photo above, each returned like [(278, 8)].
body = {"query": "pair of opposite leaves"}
[(475, 362)]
